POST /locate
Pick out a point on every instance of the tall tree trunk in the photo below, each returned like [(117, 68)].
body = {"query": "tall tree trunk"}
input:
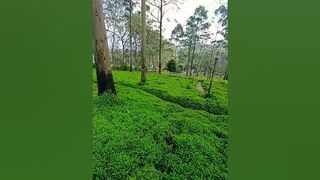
[(160, 39), (101, 51), (143, 42), (211, 76), (135, 52), (192, 57), (123, 53), (210, 62), (189, 54), (113, 41), (113, 37), (130, 34), (226, 74)]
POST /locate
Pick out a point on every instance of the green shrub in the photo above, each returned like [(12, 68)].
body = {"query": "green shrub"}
[(178, 90), (136, 135), (146, 173), (171, 66)]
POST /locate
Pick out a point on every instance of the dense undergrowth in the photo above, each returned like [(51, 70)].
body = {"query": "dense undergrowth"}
[(139, 136), (179, 90)]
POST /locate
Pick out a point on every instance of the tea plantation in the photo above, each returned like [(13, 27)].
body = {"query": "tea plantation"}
[(164, 129)]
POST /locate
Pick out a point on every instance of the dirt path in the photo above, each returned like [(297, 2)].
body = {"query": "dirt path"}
[(200, 88)]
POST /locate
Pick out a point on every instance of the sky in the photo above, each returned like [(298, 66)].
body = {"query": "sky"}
[(186, 10)]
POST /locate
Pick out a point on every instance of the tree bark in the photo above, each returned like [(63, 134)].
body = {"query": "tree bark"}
[(101, 51), (160, 39), (211, 76), (136, 53), (143, 42), (123, 54), (192, 57), (226, 74), (113, 37), (130, 34), (210, 62), (189, 54)]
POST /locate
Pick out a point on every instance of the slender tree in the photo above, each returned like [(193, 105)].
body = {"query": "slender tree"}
[(197, 29), (222, 14), (136, 34), (101, 51), (176, 38), (117, 21), (226, 74), (130, 31), (129, 5), (115, 15), (152, 45), (211, 76), (162, 7), (177, 34), (143, 42)]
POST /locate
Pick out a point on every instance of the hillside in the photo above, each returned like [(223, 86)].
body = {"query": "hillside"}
[(161, 129)]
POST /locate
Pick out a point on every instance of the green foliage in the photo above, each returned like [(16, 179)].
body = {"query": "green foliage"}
[(197, 26), (122, 67), (177, 90), (218, 98), (177, 35), (147, 172), (136, 135), (171, 66), (222, 14)]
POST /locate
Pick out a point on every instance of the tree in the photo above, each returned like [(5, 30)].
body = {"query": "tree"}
[(115, 19), (211, 76), (226, 74), (152, 46), (162, 7), (151, 39), (143, 42), (118, 19), (197, 29), (136, 33), (130, 31), (129, 4), (177, 35), (101, 51), (222, 14), (171, 66), (168, 52), (182, 56)]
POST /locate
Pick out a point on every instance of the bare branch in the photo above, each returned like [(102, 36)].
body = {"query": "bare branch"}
[(118, 35), (153, 3), (165, 11), (157, 18)]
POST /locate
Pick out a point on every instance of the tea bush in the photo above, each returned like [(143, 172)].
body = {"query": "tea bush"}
[(137, 135), (179, 90)]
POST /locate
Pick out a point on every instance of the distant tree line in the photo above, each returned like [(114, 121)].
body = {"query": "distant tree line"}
[(130, 38)]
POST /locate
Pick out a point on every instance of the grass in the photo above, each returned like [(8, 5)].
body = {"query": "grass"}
[(138, 135), (179, 90)]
